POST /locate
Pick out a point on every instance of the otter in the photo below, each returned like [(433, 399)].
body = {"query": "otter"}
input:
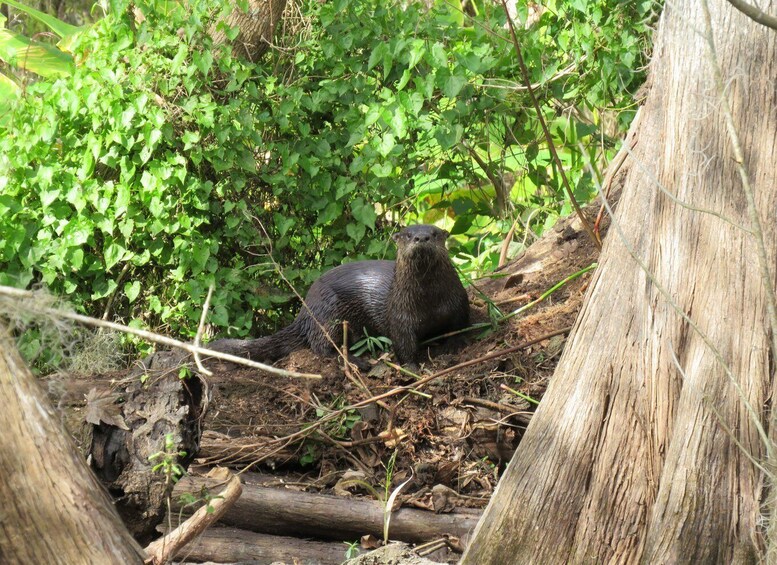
[(416, 297)]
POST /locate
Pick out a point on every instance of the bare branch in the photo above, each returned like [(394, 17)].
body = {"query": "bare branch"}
[(747, 188), (197, 337), (755, 14), (20, 294), (551, 147), (164, 549)]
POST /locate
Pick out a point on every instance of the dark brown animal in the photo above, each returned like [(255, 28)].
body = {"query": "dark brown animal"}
[(416, 297)]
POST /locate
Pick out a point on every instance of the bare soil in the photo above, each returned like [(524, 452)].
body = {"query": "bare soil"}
[(459, 430)]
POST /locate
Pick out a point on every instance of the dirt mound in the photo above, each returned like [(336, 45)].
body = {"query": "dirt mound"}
[(458, 430)]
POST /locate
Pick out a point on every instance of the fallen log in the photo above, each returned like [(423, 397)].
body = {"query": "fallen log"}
[(231, 545), (286, 512)]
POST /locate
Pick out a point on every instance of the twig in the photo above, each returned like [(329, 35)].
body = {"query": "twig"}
[(754, 13), (109, 305), (570, 69), (506, 245), (546, 131), (150, 336), (162, 550), (496, 182), (286, 440), (348, 368), (703, 336), (519, 394), (686, 205), (197, 337), (763, 263), (523, 416), (550, 291), (615, 165), (279, 271)]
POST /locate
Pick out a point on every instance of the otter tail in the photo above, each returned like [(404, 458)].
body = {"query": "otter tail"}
[(263, 349)]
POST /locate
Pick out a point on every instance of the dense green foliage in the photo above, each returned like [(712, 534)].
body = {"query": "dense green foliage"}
[(22, 55), (164, 165)]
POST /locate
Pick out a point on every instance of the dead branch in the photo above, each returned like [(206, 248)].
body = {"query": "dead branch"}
[(150, 336), (754, 13), (163, 549)]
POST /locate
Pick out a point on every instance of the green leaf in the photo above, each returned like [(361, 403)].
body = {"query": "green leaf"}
[(283, 223), (190, 138), (447, 136), (380, 51), (113, 253), (9, 90), (35, 56), (439, 57), (364, 212), (356, 231), (386, 144), (132, 290), (453, 85), (48, 197), (59, 27)]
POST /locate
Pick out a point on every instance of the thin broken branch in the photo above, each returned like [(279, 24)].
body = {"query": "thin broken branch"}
[(162, 550), (150, 336)]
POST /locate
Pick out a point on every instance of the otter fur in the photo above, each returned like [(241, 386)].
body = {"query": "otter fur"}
[(416, 297)]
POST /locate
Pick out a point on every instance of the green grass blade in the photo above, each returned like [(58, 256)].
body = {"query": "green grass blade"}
[(39, 58), (59, 27), (8, 88), (9, 91)]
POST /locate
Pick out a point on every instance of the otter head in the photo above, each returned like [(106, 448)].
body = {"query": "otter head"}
[(421, 240)]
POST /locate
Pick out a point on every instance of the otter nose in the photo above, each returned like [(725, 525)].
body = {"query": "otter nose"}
[(422, 238)]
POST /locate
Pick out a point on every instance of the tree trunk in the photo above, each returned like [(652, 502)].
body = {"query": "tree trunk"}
[(53, 509), (640, 450), (256, 27)]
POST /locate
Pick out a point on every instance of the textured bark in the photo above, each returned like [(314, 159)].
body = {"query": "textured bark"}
[(286, 512), (630, 457), (53, 509), (162, 549), (230, 545), (130, 425), (257, 26)]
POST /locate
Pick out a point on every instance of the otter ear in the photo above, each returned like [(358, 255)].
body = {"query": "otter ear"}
[(445, 233), (395, 237)]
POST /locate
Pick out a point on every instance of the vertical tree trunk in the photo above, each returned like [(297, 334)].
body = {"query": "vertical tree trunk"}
[(632, 456), (257, 26), (53, 509)]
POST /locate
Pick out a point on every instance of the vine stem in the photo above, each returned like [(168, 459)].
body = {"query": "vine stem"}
[(527, 82)]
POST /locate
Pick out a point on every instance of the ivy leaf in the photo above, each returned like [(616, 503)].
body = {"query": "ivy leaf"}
[(356, 232), (283, 223), (190, 138), (386, 144), (364, 212), (453, 85), (380, 51), (447, 137), (113, 253), (132, 290)]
